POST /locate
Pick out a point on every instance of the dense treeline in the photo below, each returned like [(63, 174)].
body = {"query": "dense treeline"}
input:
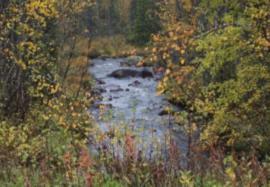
[(135, 19), (41, 119), (216, 56), (215, 59)]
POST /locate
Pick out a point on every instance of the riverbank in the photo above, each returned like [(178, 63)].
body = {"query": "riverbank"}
[(114, 46)]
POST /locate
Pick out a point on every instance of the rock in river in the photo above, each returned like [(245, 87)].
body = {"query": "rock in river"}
[(125, 73), (135, 83), (99, 81), (114, 88)]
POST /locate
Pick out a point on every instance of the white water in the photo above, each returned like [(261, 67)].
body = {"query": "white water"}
[(136, 106)]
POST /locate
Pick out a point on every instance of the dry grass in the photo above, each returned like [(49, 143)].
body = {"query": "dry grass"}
[(112, 46)]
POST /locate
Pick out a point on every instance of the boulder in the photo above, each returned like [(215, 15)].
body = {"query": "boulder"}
[(135, 83), (99, 81), (146, 74), (116, 90), (125, 73), (98, 91), (163, 113)]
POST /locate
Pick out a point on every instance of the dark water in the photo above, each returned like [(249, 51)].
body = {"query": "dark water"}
[(135, 107)]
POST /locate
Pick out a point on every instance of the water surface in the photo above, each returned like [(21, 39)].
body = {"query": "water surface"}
[(137, 106)]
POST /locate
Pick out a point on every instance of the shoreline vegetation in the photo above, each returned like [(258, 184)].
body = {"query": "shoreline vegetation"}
[(214, 58)]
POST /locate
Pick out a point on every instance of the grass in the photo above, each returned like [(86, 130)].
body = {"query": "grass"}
[(119, 161), (112, 46)]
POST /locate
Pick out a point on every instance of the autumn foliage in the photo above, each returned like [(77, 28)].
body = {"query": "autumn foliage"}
[(216, 66), (214, 60)]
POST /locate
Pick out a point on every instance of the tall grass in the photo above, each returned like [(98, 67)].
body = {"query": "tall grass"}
[(117, 158)]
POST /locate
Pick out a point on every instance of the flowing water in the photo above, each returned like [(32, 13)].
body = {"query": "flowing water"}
[(133, 101)]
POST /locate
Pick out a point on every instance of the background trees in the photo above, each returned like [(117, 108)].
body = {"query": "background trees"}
[(146, 21), (135, 19)]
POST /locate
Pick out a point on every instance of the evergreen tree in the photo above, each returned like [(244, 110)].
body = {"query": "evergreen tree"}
[(146, 22)]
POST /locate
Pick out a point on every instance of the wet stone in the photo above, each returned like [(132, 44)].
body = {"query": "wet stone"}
[(126, 73), (135, 83), (99, 81), (116, 90)]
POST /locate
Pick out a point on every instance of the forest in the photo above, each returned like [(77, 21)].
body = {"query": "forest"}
[(135, 93)]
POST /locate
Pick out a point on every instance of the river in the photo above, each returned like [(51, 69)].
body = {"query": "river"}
[(132, 102)]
